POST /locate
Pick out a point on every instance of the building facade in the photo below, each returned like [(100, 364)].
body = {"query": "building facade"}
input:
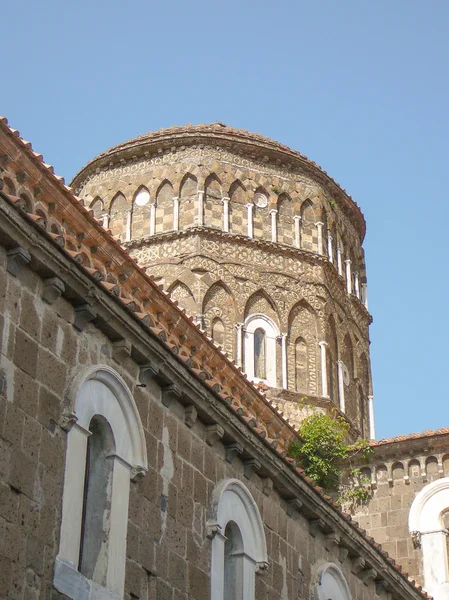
[(136, 459)]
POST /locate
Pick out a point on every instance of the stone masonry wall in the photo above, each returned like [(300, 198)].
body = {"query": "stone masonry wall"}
[(168, 553)]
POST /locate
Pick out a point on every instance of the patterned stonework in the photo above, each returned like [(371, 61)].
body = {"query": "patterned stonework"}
[(237, 233)]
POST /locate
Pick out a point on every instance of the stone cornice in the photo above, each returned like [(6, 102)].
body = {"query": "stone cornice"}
[(272, 247)]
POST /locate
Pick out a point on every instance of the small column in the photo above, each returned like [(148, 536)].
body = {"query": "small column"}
[(200, 208), (239, 348), (341, 387), (339, 261), (330, 248), (319, 227), (324, 391), (250, 208), (372, 428), (129, 215), (274, 225), (152, 219), (176, 213), (105, 218), (356, 285), (348, 276), (284, 361), (297, 220), (225, 214), (365, 295)]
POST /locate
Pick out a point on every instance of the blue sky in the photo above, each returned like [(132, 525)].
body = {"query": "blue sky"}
[(362, 88)]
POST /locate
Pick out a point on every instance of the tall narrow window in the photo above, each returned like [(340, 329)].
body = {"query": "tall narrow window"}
[(233, 563), (105, 449), (260, 368), (95, 525), (218, 332)]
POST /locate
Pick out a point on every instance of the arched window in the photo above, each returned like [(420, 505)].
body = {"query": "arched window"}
[(238, 542), (95, 525), (260, 345), (427, 528), (105, 449), (331, 584), (233, 563), (260, 367)]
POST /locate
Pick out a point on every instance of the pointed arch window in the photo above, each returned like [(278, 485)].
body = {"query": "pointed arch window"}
[(260, 346)]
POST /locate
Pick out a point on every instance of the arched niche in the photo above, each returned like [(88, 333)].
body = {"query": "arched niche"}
[(235, 511), (188, 196), (219, 303), (213, 205), (118, 215), (98, 396), (181, 292), (427, 528), (331, 584), (285, 228), (302, 348), (140, 226), (164, 207), (237, 208)]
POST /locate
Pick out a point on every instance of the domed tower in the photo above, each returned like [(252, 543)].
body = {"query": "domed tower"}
[(260, 246)]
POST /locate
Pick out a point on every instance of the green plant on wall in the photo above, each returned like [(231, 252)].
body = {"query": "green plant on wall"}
[(323, 452)]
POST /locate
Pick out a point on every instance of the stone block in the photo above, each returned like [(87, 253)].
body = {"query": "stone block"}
[(52, 452), (49, 408), (199, 583), (177, 572), (25, 353), (175, 537), (26, 392), (9, 503), (30, 320), (164, 590), (146, 552), (13, 542), (13, 425), (22, 474), (52, 372), (31, 439), (184, 447), (136, 580), (34, 555), (29, 515), (200, 488)]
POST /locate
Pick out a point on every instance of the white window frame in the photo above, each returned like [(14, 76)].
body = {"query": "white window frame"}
[(331, 583), (272, 333), (427, 529), (101, 391), (232, 501)]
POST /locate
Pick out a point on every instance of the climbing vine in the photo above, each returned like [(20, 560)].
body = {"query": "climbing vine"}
[(324, 454)]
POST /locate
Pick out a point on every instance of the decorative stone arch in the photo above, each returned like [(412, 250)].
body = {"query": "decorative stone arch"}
[(261, 214), (237, 208), (97, 207), (213, 203), (253, 324), (302, 325), (232, 503), (331, 583), (141, 211), (308, 214), (219, 303), (188, 196), (427, 529), (119, 216), (99, 393), (181, 292), (285, 222), (165, 207)]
